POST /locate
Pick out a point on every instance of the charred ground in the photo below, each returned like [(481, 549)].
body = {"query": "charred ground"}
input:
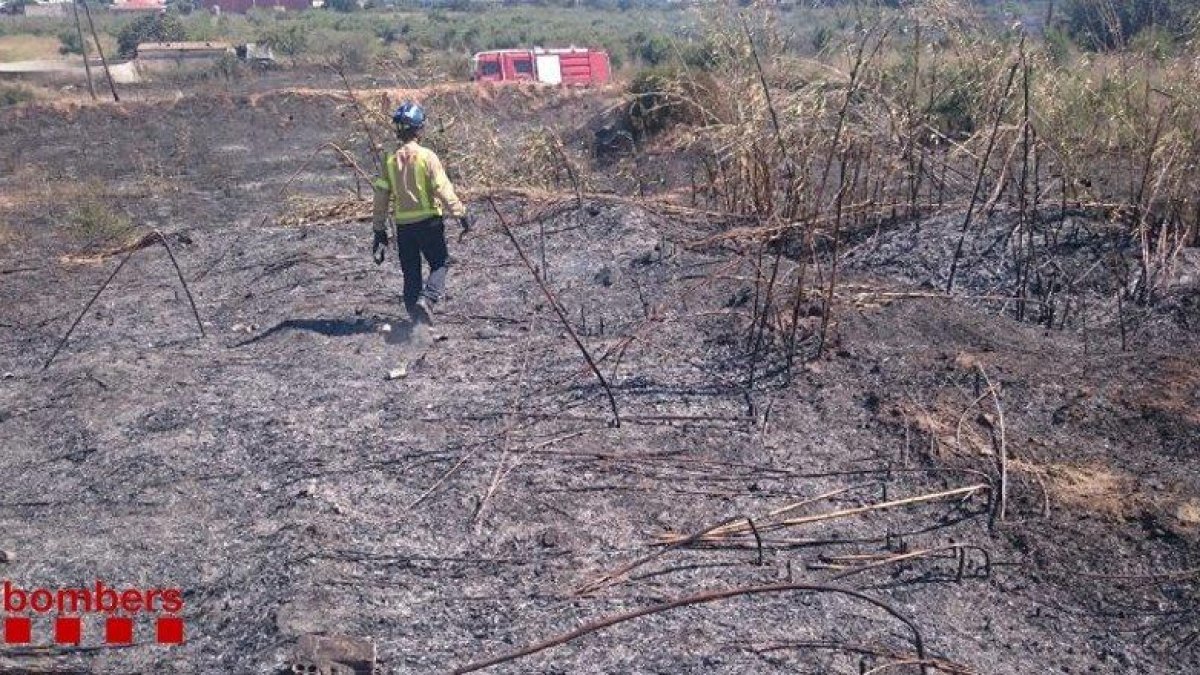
[(272, 471)]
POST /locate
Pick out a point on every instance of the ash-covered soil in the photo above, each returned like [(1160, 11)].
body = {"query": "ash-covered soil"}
[(275, 473)]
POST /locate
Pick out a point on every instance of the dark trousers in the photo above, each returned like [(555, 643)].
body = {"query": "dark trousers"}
[(426, 239)]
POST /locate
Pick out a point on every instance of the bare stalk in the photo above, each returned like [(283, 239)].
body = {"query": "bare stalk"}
[(696, 599), (558, 309), (155, 236), (983, 166)]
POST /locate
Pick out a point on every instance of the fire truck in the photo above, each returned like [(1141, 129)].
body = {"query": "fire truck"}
[(570, 65)]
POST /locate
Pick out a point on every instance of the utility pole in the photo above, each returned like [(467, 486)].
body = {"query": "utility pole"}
[(107, 73), (87, 67)]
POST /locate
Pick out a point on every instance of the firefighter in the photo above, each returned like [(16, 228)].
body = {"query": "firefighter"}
[(415, 187)]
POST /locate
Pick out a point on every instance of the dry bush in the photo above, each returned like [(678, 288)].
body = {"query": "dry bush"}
[(472, 149), (546, 163), (436, 66), (462, 130), (929, 111)]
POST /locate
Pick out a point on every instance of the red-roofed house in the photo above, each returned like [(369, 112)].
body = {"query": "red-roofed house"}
[(243, 6), (139, 6)]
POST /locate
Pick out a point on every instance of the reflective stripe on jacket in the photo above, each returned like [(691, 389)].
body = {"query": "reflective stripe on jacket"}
[(415, 187)]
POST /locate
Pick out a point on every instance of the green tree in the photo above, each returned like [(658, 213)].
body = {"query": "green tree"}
[(149, 28), (350, 50), (286, 40)]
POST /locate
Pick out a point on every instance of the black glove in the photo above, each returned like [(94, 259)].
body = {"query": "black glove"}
[(464, 222), (379, 246)]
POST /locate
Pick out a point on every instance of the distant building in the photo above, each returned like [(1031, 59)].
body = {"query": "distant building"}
[(46, 9), (243, 6), (139, 6), (181, 51), (256, 53), (154, 58)]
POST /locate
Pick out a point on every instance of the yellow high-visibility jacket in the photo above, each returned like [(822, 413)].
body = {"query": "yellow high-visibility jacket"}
[(415, 186)]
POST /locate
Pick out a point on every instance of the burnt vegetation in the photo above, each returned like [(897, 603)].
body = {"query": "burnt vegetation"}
[(859, 340)]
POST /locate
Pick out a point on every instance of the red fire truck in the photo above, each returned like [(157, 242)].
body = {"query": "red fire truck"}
[(571, 65)]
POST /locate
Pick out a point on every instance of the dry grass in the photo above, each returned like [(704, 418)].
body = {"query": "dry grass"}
[(1099, 489), (962, 430), (950, 434), (1111, 493), (98, 224), (31, 186), (1095, 488), (28, 47), (300, 211), (1188, 512)]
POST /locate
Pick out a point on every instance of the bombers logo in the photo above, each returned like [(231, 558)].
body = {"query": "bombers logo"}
[(70, 606)]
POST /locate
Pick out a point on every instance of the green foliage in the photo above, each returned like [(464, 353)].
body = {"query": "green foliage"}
[(702, 55), (17, 5), (286, 40), (228, 67), (442, 66), (629, 37), (1110, 24), (393, 33), (1058, 45), (821, 37), (1155, 42), (642, 34), (260, 16), (149, 28), (659, 49), (70, 43), (349, 51), (653, 50), (205, 27), (953, 111), (14, 94), (96, 223)]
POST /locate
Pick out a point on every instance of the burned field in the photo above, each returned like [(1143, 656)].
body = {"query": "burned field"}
[(933, 485)]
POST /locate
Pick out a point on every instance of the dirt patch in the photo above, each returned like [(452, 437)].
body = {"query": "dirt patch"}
[(1172, 390)]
